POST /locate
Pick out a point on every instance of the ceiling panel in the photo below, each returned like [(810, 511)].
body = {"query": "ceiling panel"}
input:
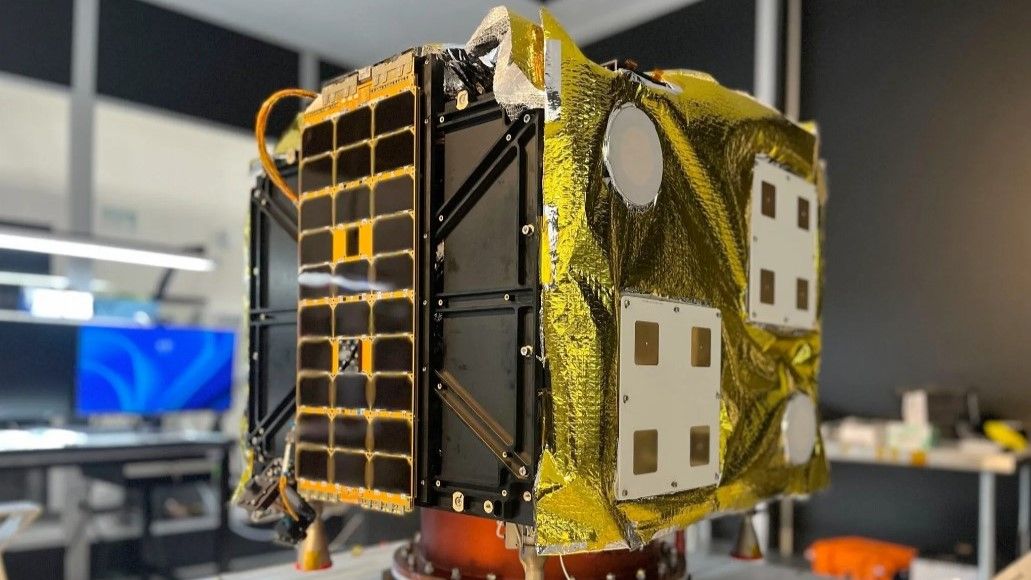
[(362, 32)]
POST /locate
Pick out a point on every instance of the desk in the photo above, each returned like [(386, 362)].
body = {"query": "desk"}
[(987, 464), (35, 448)]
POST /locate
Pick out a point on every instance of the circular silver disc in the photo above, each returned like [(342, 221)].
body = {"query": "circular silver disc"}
[(633, 155), (799, 429)]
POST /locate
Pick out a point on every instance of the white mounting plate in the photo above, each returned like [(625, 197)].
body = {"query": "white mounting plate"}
[(673, 393), (781, 246)]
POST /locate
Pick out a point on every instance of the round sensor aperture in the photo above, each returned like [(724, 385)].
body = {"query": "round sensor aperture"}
[(633, 155), (799, 429)]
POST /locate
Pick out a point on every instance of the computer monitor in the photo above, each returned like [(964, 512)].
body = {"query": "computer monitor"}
[(151, 371), (37, 371)]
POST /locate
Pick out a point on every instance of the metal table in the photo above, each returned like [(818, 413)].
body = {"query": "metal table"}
[(37, 448), (987, 464)]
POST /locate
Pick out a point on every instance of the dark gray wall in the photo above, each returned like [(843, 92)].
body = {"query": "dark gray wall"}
[(713, 37), (925, 110)]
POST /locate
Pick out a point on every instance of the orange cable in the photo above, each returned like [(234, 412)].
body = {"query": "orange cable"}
[(259, 133)]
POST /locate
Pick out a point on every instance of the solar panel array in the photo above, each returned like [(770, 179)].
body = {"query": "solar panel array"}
[(357, 278)]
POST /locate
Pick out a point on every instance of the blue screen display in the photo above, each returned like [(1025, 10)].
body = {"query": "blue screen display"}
[(149, 371)]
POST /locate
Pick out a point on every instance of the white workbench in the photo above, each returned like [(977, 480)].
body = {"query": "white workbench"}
[(949, 457)]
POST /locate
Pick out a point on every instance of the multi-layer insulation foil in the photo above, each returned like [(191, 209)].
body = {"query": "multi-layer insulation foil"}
[(691, 244)]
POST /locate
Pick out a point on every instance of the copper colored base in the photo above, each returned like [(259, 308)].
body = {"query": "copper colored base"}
[(453, 546)]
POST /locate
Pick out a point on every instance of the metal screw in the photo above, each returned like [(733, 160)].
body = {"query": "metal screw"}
[(440, 387), (527, 496), (425, 236), (522, 471), (254, 356), (437, 483), (488, 506), (440, 302), (428, 568), (424, 369), (626, 304), (676, 309), (610, 576), (526, 118), (456, 574), (504, 493), (425, 302), (625, 493), (719, 314), (640, 574), (504, 454), (527, 229), (508, 137), (626, 398), (440, 218), (674, 484), (526, 351), (442, 118), (492, 576), (507, 297)]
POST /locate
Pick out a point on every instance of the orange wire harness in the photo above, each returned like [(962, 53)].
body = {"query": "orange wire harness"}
[(259, 133)]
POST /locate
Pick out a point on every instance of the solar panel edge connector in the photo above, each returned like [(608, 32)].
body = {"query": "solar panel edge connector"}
[(360, 454)]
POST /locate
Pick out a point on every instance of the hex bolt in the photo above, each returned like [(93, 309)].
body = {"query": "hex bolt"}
[(527, 496)]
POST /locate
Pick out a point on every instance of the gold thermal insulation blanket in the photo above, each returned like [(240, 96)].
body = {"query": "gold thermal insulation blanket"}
[(692, 244)]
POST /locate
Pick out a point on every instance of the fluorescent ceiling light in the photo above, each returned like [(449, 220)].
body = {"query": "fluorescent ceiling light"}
[(81, 247), (27, 280)]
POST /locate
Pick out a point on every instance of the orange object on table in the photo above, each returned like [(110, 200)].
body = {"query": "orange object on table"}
[(859, 558)]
